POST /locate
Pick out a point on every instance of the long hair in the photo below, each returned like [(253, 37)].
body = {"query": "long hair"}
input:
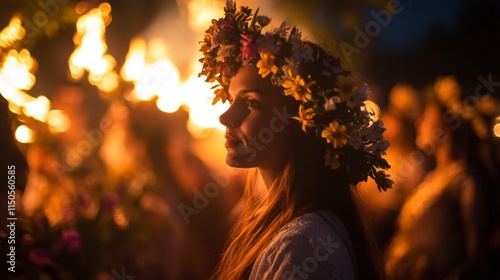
[(477, 154), (303, 185)]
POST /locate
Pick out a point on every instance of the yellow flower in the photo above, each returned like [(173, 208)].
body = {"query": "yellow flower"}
[(335, 134), (297, 87), (332, 160), (346, 86), (305, 117), (266, 64)]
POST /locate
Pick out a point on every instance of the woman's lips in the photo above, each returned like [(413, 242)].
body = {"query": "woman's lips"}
[(231, 141)]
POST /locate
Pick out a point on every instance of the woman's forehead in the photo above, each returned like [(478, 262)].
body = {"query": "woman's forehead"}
[(247, 78)]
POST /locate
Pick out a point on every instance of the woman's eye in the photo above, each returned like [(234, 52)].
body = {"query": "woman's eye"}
[(252, 103)]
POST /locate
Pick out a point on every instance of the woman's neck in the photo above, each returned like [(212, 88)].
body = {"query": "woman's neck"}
[(268, 176)]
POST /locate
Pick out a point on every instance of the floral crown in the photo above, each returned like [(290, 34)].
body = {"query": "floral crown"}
[(331, 100), (447, 91)]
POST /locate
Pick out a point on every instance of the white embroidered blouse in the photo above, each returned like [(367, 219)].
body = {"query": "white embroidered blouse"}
[(315, 245)]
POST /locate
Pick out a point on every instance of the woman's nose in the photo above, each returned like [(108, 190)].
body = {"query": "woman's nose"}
[(225, 120), (229, 118)]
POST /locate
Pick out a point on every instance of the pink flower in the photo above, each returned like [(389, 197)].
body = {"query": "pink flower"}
[(248, 48)]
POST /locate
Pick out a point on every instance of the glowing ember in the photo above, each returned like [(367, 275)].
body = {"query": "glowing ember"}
[(58, 121), (24, 134)]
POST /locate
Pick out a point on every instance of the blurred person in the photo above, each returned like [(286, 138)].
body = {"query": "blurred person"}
[(408, 164), (445, 224), (298, 119)]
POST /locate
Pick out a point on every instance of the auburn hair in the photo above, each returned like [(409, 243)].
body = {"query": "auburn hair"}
[(304, 184)]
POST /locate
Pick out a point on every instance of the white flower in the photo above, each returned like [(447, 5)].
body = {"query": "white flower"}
[(267, 44), (302, 53), (330, 104), (283, 30)]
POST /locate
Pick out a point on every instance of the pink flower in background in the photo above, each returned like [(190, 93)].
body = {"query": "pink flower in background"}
[(40, 257), (71, 240)]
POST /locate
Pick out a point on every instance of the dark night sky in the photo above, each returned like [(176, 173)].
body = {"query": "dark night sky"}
[(462, 39), (426, 39), (418, 18)]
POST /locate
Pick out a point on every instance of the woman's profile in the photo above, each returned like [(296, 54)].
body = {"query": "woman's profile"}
[(298, 119)]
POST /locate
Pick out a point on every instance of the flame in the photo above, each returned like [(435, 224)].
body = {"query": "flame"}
[(90, 52), (197, 96), (155, 77), (135, 61), (201, 12), (38, 108), (12, 33), (16, 76), (152, 73)]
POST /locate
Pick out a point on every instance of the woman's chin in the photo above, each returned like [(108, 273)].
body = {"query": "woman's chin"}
[(237, 160)]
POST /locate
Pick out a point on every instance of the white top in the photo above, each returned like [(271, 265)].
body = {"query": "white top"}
[(315, 245)]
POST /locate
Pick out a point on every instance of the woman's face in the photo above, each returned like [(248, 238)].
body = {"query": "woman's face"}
[(258, 122)]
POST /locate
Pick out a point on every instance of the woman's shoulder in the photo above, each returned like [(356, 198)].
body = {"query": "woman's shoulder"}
[(315, 245), (313, 224)]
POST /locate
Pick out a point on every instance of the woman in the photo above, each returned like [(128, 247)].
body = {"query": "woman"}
[(444, 227), (299, 119)]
